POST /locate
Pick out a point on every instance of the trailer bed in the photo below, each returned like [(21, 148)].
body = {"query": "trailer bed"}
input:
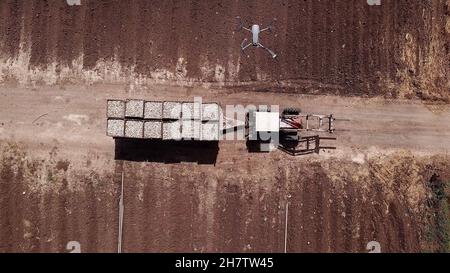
[(163, 120)]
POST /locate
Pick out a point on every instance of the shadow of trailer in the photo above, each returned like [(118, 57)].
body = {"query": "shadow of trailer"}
[(166, 151)]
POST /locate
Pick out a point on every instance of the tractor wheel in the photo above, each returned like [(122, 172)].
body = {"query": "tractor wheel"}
[(291, 111)]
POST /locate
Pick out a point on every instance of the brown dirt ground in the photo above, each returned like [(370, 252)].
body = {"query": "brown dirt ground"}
[(334, 206), (398, 49)]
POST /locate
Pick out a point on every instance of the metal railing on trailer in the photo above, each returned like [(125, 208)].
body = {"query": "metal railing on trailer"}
[(291, 122), (308, 145)]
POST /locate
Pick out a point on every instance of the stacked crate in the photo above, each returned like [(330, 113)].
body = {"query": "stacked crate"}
[(210, 122), (134, 113), (163, 120), (191, 121), (116, 118), (171, 121), (153, 119)]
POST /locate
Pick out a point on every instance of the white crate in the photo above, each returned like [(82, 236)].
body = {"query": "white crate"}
[(153, 129), (172, 110), (171, 130), (192, 110), (191, 129), (116, 128), (116, 109), (210, 131), (210, 112), (134, 129), (153, 110), (134, 109)]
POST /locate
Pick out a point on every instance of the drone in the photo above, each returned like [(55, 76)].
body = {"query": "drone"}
[(255, 30)]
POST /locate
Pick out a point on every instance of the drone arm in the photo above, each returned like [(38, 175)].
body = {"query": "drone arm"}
[(268, 50), (244, 28), (245, 47)]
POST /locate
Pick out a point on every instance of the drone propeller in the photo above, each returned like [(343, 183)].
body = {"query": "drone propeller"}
[(270, 25), (241, 24), (243, 42)]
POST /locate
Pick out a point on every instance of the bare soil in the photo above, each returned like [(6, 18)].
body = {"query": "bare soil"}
[(334, 206), (398, 49)]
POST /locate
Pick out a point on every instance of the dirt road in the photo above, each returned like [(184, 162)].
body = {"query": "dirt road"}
[(61, 183), (74, 117)]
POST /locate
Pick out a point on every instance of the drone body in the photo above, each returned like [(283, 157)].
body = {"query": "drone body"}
[(255, 34), (255, 30)]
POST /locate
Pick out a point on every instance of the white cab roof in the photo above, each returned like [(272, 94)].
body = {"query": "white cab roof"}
[(267, 121)]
